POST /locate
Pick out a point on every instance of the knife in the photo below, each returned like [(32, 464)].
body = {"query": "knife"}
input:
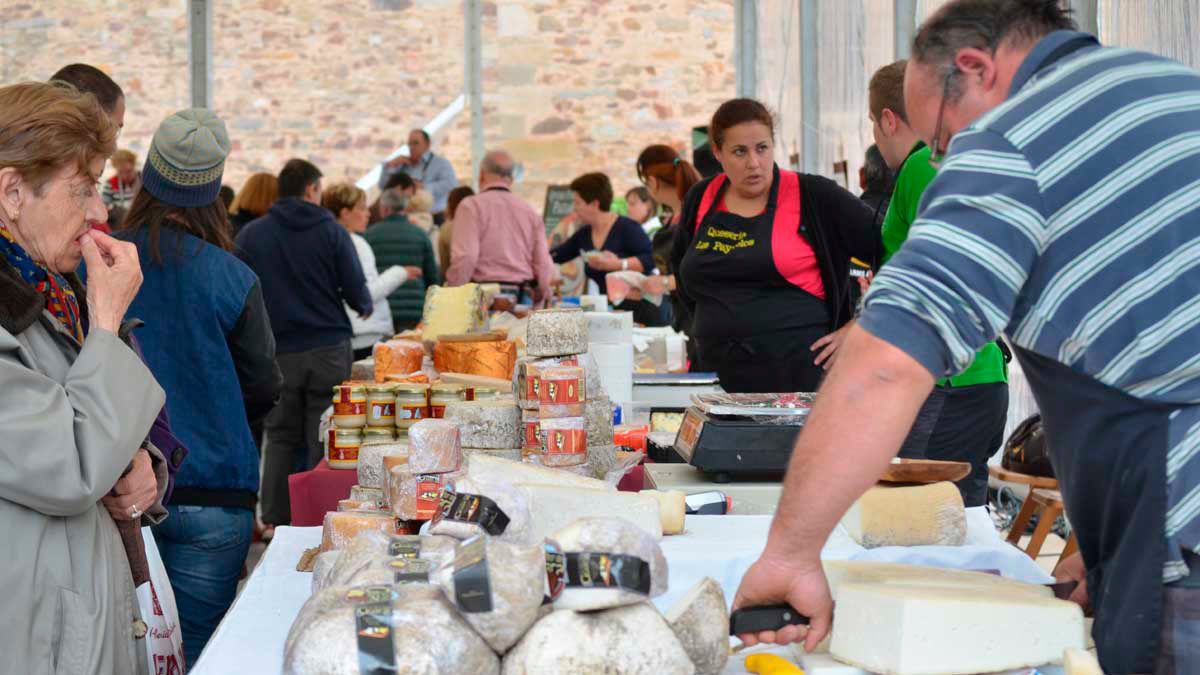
[(775, 617)]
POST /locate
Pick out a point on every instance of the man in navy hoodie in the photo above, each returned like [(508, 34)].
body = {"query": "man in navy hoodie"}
[(307, 266)]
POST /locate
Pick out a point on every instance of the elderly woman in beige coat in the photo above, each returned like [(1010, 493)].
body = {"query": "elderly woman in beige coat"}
[(76, 403)]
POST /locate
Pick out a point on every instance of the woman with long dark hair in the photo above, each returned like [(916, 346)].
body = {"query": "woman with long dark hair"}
[(667, 177), (208, 341)]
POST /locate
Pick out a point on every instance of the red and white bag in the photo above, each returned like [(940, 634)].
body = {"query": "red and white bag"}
[(156, 600)]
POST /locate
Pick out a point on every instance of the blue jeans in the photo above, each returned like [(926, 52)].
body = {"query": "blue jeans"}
[(203, 549)]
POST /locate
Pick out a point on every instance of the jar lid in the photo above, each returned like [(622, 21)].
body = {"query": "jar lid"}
[(411, 388), (355, 388), (384, 388), (448, 388)]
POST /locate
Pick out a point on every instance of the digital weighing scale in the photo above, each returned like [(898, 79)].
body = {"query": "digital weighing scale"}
[(742, 435)]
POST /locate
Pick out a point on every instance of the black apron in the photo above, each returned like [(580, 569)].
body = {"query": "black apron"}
[(752, 326), (1109, 452)]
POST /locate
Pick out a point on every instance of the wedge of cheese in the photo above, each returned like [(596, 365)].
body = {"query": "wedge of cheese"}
[(908, 516), (672, 509), (552, 508), (700, 621), (1079, 662), (902, 629), (452, 311)]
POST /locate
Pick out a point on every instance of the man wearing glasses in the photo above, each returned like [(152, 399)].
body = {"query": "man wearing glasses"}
[(1066, 215)]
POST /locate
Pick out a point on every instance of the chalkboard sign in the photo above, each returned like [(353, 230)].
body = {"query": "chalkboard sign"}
[(559, 202)]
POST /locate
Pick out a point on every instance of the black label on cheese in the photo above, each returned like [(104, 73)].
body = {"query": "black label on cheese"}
[(410, 571), (472, 586), (373, 626), (406, 547), (608, 570), (556, 572), (468, 508)]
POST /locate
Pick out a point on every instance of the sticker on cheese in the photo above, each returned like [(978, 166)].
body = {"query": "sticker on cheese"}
[(527, 382), (397, 357), (370, 463), (700, 621), (322, 568), (610, 563), (904, 629), (908, 516), (342, 526), (415, 496), (498, 587), (434, 447), (557, 332), (634, 640), (562, 385), (469, 507), (425, 633), (554, 507), (486, 424), (453, 311), (368, 548), (495, 469)]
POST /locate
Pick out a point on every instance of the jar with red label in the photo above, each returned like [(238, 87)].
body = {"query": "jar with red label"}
[(412, 404), (442, 395), (381, 406), (343, 448), (350, 406)]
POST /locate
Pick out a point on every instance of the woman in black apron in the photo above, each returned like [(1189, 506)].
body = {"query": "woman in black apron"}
[(762, 256)]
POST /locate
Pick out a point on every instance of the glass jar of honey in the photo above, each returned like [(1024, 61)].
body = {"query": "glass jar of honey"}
[(381, 406), (349, 406), (343, 448), (442, 395), (412, 404)]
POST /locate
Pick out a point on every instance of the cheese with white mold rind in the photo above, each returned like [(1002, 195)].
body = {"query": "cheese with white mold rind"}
[(917, 629), (516, 579), (505, 497), (557, 332), (370, 546), (908, 516), (486, 424), (434, 446), (370, 463), (633, 640), (487, 467), (700, 621), (611, 537), (598, 414), (554, 507)]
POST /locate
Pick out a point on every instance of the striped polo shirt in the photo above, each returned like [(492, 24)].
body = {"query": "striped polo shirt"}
[(1068, 218)]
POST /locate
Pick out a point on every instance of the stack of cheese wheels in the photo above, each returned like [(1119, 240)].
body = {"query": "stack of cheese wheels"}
[(551, 386)]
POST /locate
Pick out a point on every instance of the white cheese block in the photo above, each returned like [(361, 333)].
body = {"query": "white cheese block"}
[(557, 332), (633, 640), (496, 469), (840, 572), (700, 621), (505, 497), (486, 424), (555, 507), (370, 463), (517, 582), (427, 634), (672, 509), (1079, 662), (908, 516), (613, 537), (914, 629)]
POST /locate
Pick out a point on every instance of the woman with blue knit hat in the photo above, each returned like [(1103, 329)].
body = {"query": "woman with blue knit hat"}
[(208, 341)]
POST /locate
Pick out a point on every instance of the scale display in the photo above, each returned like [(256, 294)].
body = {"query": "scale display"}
[(741, 434)]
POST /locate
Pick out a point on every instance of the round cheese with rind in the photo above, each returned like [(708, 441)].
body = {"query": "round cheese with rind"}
[(434, 446), (341, 527), (517, 581), (486, 424), (700, 621), (611, 537), (370, 546), (455, 519), (924, 515), (370, 463)]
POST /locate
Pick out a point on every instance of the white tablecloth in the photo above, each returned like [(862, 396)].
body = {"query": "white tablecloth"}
[(250, 639)]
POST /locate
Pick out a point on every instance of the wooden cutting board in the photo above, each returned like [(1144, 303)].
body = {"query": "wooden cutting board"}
[(922, 471)]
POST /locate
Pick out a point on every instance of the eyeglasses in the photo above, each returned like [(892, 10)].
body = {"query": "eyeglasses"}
[(937, 152)]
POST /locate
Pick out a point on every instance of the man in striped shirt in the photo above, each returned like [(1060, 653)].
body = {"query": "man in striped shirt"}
[(1066, 215)]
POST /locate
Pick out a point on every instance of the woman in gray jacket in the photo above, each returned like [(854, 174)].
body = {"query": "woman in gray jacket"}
[(76, 402)]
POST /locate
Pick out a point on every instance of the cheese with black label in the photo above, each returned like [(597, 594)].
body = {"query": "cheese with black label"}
[(486, 424), (700, 621), (369, 547), (641, 574), (515, 580), (470, 507), (908, 516)]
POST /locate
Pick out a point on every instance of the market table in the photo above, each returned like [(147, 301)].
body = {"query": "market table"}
[(251, 638)]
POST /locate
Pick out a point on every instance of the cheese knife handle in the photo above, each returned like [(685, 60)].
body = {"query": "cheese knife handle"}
[(764, 617)]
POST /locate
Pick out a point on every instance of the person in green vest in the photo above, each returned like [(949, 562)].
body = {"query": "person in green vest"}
[(965, 415)]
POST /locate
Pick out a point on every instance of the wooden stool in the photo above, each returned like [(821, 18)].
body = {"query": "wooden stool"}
[(1028, 507)]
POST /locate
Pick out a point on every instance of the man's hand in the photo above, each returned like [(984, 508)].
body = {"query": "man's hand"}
[(135, 492), (772, 580), (1072, 569), (827, 347)]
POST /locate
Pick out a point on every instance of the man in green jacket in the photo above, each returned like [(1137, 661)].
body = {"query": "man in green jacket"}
[(396, 241), (964, 416)]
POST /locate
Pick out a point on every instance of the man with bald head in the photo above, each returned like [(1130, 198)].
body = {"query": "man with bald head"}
[(499, 238), (1065, 215)]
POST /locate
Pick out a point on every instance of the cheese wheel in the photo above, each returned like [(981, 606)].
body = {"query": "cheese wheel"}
[(397, 357), (453, 311), (494, 358), (564, 441), (607, 537), (360, 505), (491, 468), (700, 621), (633, 640), (363, 369), (342, 526), (497, 510), (486, 424), (672, 509), (516, 582), (370, 462), (908, 516), (557, 332), (910, 629), (415, 495), (368, 547), (554, 507), (434, 446)]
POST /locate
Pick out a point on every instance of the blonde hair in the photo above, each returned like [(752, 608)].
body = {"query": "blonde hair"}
[(257, 195), (342, 196), (47, 126), (420, 202), (123, 157)]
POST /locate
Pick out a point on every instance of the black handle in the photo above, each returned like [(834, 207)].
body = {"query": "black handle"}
[(764, 617)]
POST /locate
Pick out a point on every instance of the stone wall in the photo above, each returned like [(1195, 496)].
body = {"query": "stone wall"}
[(569, 86)]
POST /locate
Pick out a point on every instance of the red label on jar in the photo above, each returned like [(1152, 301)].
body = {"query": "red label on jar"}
[(411, 412), (429, 492), (342, 453), (437, 412), (565, 441), (348, 408)]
